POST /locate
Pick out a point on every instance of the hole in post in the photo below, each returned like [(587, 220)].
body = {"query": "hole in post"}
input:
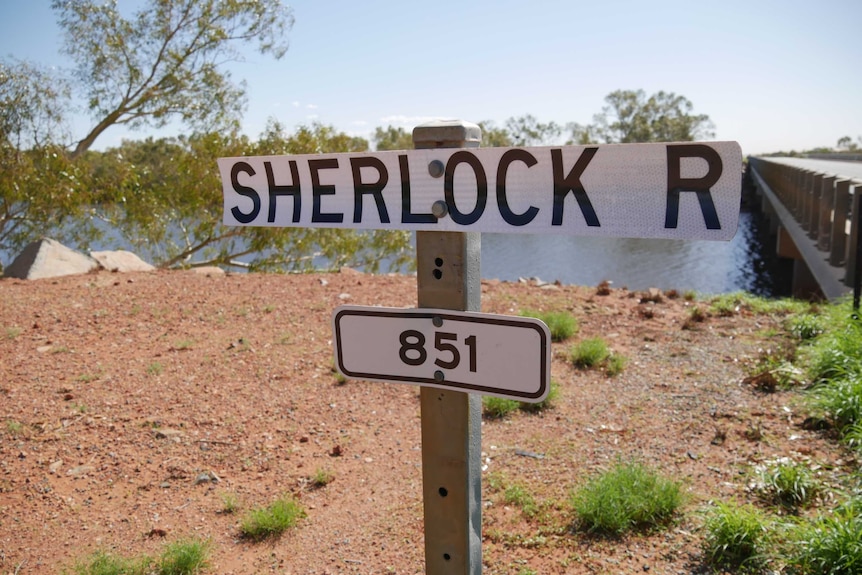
[(443, 492), (446, 556), (437, 274), (438, 262)]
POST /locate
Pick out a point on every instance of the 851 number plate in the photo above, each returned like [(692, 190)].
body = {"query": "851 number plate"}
[(506, 356)]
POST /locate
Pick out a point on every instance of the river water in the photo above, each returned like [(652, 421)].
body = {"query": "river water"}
[(747, 262)]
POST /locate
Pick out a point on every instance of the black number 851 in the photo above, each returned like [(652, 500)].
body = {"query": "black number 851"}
[(413, 350)]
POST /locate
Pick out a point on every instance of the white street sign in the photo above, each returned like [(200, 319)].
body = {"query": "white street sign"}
[(498, 355), (659, 190)]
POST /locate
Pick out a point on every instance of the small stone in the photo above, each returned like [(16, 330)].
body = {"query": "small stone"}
[(167, 433), (206, 477), (80, 470)]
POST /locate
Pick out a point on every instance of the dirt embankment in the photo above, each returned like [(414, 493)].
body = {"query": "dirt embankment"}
[(136, 406)]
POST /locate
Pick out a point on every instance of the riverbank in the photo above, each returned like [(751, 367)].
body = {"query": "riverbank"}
[(135, 406)]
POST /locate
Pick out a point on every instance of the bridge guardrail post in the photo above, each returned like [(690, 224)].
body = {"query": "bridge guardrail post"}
[(814, 201), (841, 210), (853, 251), (827, 203)]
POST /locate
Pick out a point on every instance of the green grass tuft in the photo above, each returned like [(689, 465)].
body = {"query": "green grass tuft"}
[(271, 521), (786, 483), (629, 496), (186, 557), (589, 352), (562, 325), (830, 545), (593, 353), (736, 538), (498, 407), (104, 563), (546, 403)]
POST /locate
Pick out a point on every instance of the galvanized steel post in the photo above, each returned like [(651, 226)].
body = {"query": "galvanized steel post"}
[(448, 277)]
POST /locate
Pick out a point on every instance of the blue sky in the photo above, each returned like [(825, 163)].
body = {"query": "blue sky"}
[(770, 74)]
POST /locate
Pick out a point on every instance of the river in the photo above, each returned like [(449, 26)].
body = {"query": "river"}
[(747, 262)]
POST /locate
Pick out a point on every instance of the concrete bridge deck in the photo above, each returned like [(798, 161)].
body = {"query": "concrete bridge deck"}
[(814, 206)]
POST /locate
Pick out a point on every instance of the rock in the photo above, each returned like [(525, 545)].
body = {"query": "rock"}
[(80, 470), (121, 261), (168, 433), (48, 258), (207, 477), (209, 271)]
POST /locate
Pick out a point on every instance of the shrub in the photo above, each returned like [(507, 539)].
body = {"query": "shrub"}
[(271, 521), (629, 496), (736, 537)]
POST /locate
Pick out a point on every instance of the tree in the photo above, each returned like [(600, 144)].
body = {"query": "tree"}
[(166, 62), (847, 143), (528, 131), (392, 138), (629, 117), (165, 197), (39, 186), (492, 136)]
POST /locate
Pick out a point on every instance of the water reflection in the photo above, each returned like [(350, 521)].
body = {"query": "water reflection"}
[(744, 263)]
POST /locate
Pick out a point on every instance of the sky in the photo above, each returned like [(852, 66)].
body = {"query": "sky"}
[(771, 75)]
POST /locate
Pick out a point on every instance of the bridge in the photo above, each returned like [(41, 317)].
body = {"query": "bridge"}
[(814, 209)]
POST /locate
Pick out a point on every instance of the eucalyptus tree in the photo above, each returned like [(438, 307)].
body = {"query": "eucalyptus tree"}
[(165, 62), (392, 138), (39, 186), (629, 116)]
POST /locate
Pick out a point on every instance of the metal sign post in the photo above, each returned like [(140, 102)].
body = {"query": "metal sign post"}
[(448, 278)]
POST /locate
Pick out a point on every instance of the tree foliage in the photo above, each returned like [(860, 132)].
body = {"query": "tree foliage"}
[(39, 186), (528, 131), (165, 62), (392, 138), (165, 198), (629, 116)]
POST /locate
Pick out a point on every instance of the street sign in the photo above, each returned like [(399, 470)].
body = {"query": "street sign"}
[(657, 190), (498, 355)]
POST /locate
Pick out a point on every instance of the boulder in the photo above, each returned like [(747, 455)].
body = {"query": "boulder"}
[(47, 258), (121, 261)]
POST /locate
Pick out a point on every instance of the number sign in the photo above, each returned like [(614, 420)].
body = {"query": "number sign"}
[(474, 352), (680, 190)]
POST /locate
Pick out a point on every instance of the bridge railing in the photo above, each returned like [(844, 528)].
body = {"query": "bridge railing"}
[(825, 206)]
